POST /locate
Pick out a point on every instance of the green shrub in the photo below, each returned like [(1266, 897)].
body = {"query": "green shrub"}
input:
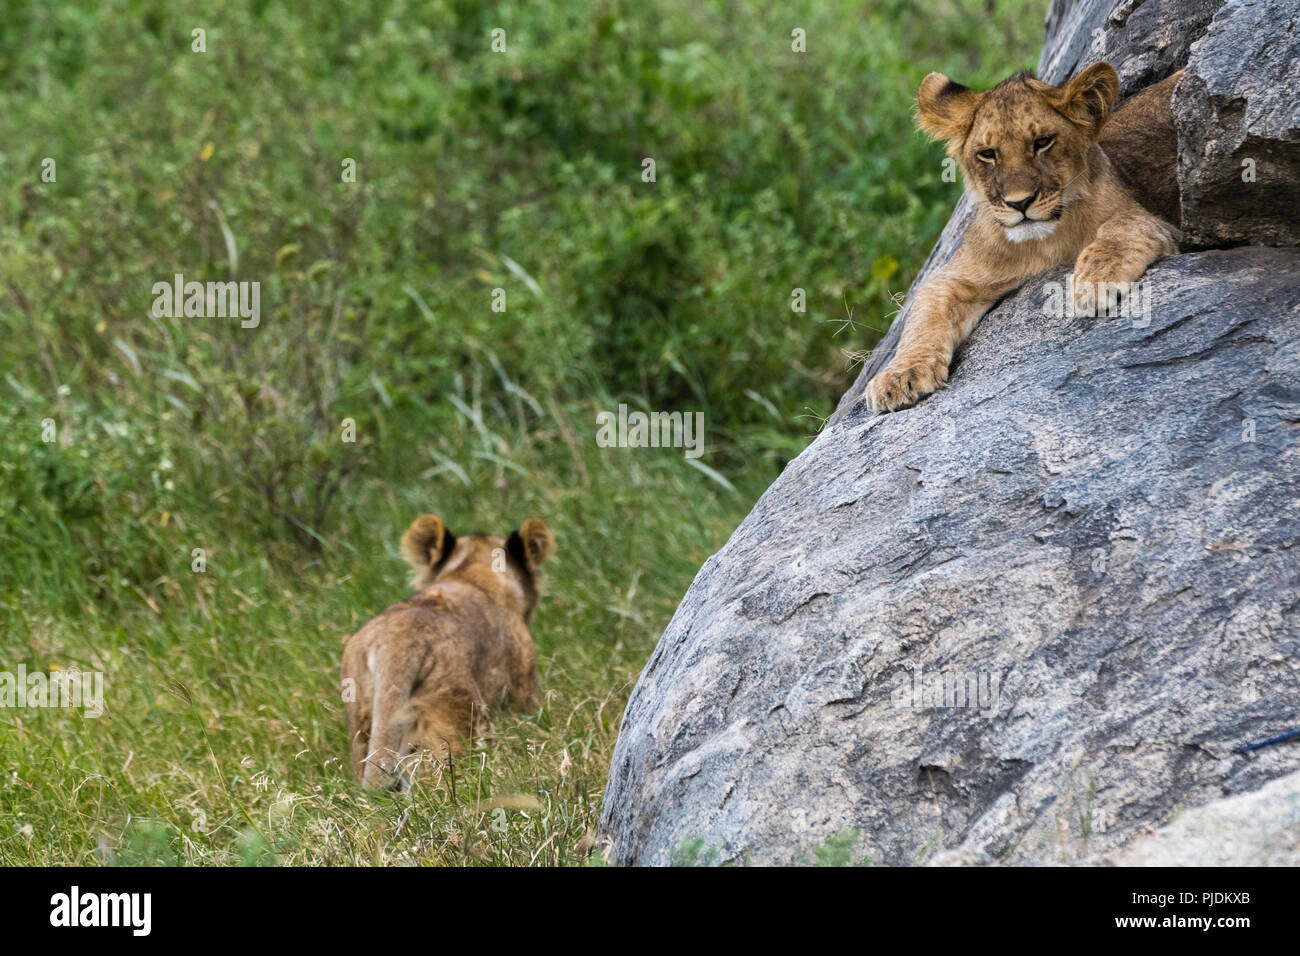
[(476, 171)]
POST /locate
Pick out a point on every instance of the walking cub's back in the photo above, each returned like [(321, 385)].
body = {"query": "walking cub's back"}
[(425, 676)]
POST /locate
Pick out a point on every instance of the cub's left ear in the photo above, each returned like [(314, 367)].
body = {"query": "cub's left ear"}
[(1088, 98), (531, 544)]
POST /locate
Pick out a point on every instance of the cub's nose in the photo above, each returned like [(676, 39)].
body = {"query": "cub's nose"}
[(1020, 205)]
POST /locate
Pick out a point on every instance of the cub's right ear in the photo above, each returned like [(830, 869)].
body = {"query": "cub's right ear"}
[(531, 544), (426, 542), (945, 109)]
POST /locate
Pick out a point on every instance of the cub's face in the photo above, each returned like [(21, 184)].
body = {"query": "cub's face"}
[(1024, 145), (435, 554)]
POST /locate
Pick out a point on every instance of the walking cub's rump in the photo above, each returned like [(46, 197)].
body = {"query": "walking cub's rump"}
[(427, 674)]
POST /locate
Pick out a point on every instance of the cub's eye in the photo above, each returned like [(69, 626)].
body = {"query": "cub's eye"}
[(987, 155), (1042, 143)]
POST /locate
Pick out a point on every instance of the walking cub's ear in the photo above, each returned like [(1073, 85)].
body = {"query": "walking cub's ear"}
[(531, 544), (426, 544)]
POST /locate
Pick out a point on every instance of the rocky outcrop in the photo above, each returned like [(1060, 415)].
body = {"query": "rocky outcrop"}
[(1032, 619), (1145, 40), (1022, 622), (1237, 109)]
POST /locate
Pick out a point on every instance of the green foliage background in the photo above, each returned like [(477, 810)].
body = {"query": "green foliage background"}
[(223, 740)]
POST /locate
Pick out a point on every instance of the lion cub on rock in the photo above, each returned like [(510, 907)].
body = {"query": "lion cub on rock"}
[(1058, 180), (428, 673)]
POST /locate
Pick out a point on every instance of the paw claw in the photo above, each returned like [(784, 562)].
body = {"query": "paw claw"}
[(904, 384)]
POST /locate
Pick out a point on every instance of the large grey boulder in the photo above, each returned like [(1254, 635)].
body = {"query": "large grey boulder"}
[(1087, 543), (1237, 109), (1031, 619)]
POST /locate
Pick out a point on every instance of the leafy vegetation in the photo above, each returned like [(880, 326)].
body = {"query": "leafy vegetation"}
[(132, 442)]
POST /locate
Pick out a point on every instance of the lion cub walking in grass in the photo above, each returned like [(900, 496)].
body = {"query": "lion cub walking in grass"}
[(429, 672), (1059, 180)]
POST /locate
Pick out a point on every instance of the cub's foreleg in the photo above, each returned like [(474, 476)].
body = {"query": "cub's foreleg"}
[(942, 316), (1125, 245)]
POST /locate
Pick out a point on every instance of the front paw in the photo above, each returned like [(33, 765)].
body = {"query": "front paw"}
[(906, 382), (1101, 280)]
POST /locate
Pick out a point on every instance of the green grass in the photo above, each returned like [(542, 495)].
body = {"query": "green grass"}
[(223, 739)]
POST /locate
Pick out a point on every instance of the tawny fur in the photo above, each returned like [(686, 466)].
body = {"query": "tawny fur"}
[(426, 675), (1026, 141)]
